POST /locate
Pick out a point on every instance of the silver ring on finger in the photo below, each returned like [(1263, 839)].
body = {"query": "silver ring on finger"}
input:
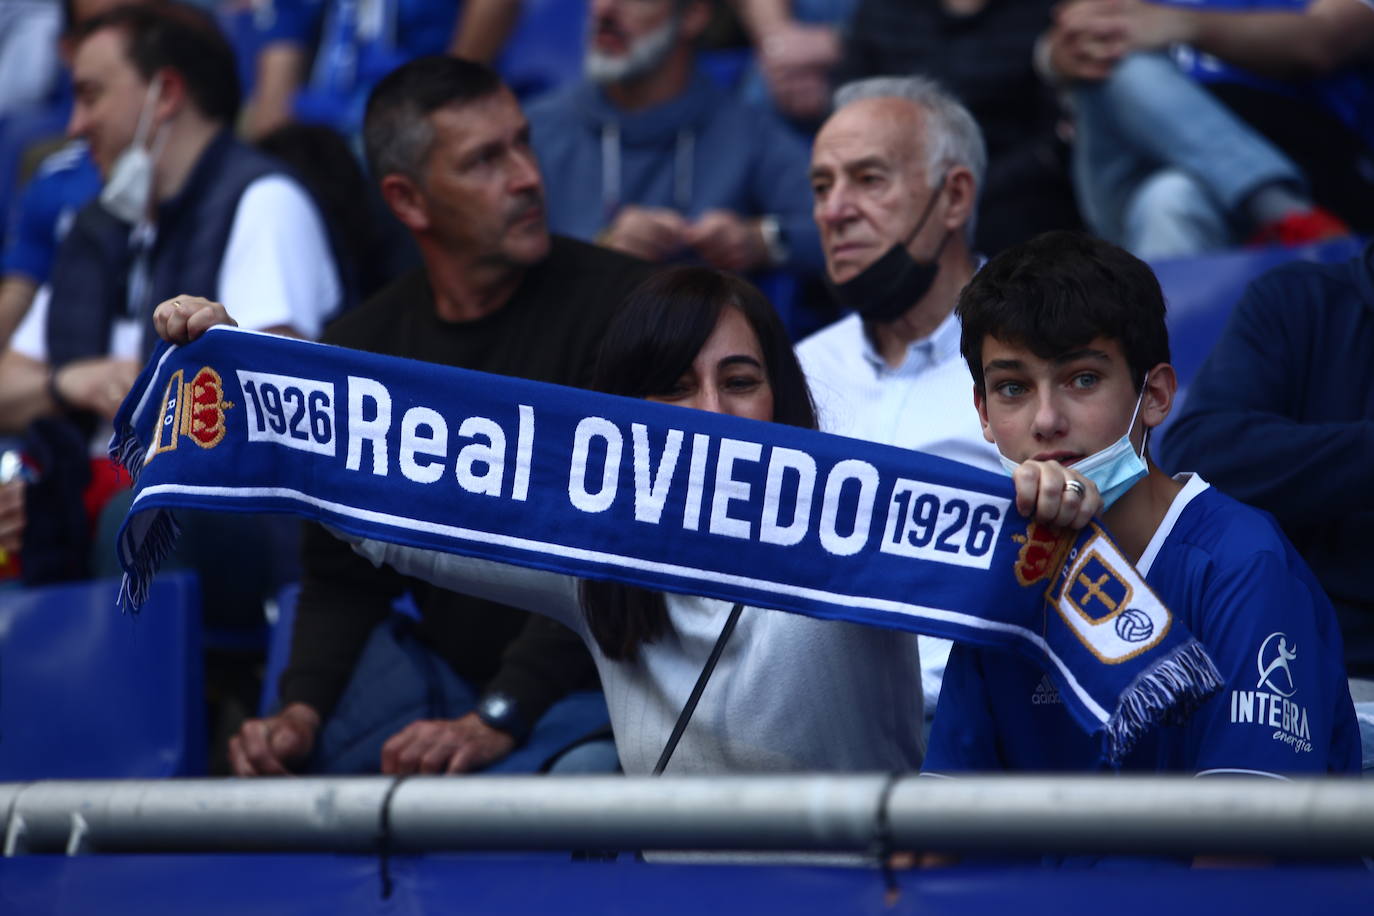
[(1075, 487)]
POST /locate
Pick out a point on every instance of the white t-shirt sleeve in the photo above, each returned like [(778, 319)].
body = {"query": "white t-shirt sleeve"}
[(30, 338), (278, 268)]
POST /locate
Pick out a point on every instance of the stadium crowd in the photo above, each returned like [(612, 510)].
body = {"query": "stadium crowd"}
[(950, 204)]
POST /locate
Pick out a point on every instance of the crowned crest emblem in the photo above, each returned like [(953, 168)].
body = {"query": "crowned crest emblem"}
[(203, 419), (1042, 550), (194, 410)]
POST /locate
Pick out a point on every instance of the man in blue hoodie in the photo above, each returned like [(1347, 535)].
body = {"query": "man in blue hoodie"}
[(649, 156)]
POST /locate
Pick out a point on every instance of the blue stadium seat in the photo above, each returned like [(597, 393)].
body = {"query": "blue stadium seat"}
[(278, 647), (87, 692), (545, 50), (1202, 291)]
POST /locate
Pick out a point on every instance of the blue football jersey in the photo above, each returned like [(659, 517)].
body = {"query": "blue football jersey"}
[(1347, 94), (1227, 571), (65, 182)]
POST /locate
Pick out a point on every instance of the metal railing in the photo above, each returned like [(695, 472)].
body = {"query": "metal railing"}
[(1135, 815)]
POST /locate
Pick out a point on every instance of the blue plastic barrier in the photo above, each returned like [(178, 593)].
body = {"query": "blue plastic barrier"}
[(509, 884), (87, 692)]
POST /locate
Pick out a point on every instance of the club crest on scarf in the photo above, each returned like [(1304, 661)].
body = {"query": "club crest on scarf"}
[(1042, 552), (193, 409), (656, 496)]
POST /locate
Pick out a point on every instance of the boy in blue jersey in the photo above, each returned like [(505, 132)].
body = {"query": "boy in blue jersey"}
[(1066, 341)]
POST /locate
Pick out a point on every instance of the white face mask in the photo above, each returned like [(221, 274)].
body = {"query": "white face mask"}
[(1116, 468), (129, 190)]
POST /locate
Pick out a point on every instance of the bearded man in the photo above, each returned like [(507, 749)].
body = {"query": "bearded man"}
[(649, 156)]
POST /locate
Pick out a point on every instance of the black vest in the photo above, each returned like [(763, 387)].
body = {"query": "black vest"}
[(90, 277)]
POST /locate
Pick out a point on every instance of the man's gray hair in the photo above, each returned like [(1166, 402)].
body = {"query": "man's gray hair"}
[(952, 136)]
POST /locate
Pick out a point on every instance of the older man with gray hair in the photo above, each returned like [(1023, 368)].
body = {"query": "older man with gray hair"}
[(895, 173)]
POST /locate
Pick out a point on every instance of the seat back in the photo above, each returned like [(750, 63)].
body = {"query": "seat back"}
[(1201, 292), (544, 52), (89, 692)]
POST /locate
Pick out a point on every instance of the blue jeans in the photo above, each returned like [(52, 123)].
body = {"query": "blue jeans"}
[(1163, 168), (1362, 692), (397, 680)]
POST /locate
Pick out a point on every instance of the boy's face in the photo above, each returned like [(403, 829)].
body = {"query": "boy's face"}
[(1060, 409)]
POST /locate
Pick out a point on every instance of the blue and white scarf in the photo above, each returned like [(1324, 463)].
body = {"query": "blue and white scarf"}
[(679, 500)]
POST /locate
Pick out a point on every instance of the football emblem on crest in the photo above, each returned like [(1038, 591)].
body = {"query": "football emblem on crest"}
[(1134, 625)]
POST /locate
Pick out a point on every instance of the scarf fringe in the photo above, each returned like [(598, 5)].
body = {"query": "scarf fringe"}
[(1167, 693), (148, 551), (126, 451)]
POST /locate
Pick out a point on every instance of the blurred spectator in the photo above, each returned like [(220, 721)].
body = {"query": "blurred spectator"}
[(373, 247), (64, 182), (463, 686), (982, 52), (155, 91), (797, 44), (1281, 416), (319, 59), (1286, 39), (650, 157), (185, 208), (1198, 154), (895, 172), (28, 51)]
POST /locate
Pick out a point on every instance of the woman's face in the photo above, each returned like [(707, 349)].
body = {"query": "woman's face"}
[(728, 374)]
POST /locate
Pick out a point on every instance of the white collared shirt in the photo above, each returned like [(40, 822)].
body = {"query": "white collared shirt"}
[(925, 404)]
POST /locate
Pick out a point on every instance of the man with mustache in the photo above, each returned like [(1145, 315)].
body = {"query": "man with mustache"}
[(650, 157), (449, 146)]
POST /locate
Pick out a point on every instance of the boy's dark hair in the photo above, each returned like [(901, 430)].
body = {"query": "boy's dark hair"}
[(181, 37), (1058, 291), (396, 132)]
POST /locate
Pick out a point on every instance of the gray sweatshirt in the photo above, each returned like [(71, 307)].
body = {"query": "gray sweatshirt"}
[(790, 693)]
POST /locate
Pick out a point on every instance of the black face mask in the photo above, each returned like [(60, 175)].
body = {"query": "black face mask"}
[(895, 282)]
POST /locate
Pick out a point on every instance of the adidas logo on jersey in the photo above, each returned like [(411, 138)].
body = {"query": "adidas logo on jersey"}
[(1045, 693)]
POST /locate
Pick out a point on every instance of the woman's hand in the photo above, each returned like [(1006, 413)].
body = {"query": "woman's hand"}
[(184, 318)]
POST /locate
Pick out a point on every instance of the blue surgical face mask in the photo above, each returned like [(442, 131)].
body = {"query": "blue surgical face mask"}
[(1116, 468)]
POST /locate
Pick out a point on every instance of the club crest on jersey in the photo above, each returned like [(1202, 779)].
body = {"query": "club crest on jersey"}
[(194, 410), (1042, 550)]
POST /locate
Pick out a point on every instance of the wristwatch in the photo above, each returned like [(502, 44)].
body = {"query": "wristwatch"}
[(500, 711), (772, 240)]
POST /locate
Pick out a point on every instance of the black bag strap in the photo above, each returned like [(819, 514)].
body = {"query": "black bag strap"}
[(690, 706)]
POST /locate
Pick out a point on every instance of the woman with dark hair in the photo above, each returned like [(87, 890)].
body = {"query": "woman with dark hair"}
[(789, 692), (652, 350)]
